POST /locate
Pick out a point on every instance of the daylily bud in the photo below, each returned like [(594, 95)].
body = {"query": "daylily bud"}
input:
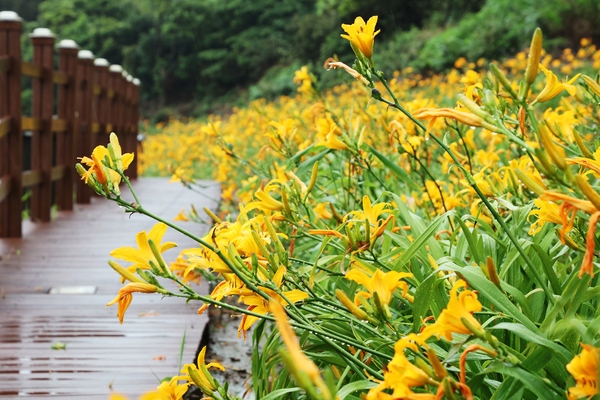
[(592, 84), (349, 304), (198, 380), (521, 115), (588, 190), (530, 183), (586, 152), (492, 273), (489, 99), (535, 52), (161, 262), (125, 273), (479, 332), (212, 215), (313, 178), (113, 160), (285, 201), (503, 81), (448, 389), (546, 167), (419, 362), (283, 255), (439, 369), (556, 153), (80, 170), (382, 308), (566, 239), (350, 236), (472, 106)]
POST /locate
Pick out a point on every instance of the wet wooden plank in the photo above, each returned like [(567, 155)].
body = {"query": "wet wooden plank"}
[(100, 355)]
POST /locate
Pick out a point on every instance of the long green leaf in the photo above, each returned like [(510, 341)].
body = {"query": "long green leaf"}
[(296, 157), (395, 169), (524, 333), (531, 381), (353, 387), (308, 163), (277, 394), (471, 240), (423, 299), (419, 242)]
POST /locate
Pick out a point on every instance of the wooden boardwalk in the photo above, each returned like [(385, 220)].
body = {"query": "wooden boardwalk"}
[(100, 355)]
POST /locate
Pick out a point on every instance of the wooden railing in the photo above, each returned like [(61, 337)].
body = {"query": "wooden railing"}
[(92, 99)]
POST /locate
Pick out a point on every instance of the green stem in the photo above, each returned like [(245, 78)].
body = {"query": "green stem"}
[(124, 178)]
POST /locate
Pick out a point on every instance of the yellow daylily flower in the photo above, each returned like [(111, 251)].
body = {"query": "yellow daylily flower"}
[(321, 211), (106, 174), (230, 286), (369, 212), (181, 175), (584, 368), (401, 375), (332, 142), (181, 217), (553, 87), (260, 305), (362, 35), (199, 375), (571, 205), (142, 256), (384, 284), (168, 390), (125, 296), (461, 306), (98, 169), (545, 212), (592, 164), (265, 201), (302, 78)]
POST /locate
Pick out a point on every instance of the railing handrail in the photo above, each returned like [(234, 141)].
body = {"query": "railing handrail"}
[(94, 99)]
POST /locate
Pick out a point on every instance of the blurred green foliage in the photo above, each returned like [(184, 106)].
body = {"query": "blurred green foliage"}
[(193, 56)]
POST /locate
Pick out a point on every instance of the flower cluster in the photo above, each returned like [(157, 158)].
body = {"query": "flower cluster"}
[(417, 237)]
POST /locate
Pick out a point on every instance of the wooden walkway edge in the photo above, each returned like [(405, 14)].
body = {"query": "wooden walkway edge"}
[(100, 355)]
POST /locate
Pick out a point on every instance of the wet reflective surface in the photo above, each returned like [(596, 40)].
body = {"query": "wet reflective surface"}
[(93, 354)]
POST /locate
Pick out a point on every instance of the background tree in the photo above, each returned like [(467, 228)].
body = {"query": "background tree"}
[(194, 56)]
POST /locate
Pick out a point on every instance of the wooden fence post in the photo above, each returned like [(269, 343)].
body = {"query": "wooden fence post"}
[(115, 73), (127, 114), (65, 141), (135, 116), (11, 144), (41, 142), (83, 147), (100, 105)]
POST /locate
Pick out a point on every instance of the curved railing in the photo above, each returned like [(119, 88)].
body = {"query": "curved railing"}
[(74, 109)]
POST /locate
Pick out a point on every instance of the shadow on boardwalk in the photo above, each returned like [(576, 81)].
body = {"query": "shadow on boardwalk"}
[(100, 355)]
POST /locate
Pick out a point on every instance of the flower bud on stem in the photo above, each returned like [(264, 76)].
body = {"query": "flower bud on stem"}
[(588, 190), (349, 304), (212, 215), (556, 153), (435, 362), (535, 53), (530, 183), (586, 152), (503, 81)]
